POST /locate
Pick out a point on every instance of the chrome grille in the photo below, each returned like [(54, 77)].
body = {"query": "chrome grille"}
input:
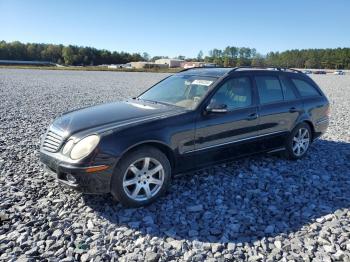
[(52, 141)]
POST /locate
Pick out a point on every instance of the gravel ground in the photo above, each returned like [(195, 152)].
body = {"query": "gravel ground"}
[(263, 208)]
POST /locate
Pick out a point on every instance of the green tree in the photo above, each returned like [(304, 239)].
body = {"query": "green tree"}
[(310, 63), (258, 60), (68, 55), (200, 56), (218, 61), (158, 57), (226, 61), (229, 56), (51, 53), (146, 56)]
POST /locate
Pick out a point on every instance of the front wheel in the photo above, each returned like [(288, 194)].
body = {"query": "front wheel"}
[(141, 177), (299, 141)]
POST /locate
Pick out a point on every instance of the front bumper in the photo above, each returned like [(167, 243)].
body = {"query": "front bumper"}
[(76, 177)]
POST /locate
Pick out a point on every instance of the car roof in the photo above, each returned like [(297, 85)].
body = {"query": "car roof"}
[(221, 71)]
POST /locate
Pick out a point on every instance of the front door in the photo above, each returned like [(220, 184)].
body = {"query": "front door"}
[(223, 135)]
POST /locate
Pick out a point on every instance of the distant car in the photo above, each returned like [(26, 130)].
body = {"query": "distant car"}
[(339, 72), (127, 66), (320, 72), (190, 120), (307, 72)]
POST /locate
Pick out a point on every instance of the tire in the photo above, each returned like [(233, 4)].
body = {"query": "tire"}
[(299, 141), (140, 177)]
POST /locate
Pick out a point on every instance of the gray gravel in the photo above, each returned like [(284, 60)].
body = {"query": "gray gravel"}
[(263, 208)]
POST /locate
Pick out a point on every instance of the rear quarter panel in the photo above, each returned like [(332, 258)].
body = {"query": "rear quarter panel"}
[(316, 108)]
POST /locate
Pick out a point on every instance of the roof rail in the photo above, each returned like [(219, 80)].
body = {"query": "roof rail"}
[(263, 67), (195, 67), (247, 67), (184, 69)]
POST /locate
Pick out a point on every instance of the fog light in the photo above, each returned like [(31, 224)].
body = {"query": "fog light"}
[(71, 179)]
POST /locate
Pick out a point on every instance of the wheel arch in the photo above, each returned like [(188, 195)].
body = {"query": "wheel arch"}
[(311, 125), (164, 148), (308, 121)]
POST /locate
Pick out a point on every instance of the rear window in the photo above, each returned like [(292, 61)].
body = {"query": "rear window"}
[(269, 89), (304, 88)]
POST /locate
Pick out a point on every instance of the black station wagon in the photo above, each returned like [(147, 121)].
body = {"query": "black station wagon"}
[(192, 119)]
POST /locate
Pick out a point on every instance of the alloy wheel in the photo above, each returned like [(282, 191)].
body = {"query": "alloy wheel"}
[(301, 141), (143, 179)]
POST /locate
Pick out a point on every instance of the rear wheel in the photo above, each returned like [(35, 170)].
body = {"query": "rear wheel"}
[(141, 177), (299, 141)]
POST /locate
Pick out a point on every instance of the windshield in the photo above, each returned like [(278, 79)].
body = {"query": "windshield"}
[(180, 90)]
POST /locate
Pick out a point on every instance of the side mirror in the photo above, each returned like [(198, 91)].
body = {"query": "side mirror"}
[(216, 108)]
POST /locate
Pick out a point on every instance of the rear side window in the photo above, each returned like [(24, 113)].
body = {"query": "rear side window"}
[(287, 88), (269, 89), (304, 88)]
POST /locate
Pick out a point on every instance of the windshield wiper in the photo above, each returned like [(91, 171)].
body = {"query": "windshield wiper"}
[(158, 102), (147, 100)]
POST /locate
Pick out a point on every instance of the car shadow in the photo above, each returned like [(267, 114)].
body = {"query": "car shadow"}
[(245, 200)]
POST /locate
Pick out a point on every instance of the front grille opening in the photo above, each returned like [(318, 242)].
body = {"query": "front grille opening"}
[(52, 141)]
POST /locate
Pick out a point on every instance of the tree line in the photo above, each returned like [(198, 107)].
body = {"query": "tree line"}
[(64, 55), (335, 58), (332, 58)]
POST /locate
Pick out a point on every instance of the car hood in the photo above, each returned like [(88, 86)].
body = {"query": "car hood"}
[(112, 115)]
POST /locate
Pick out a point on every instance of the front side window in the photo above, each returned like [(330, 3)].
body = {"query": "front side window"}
[(304, 88), (234, 93), (180, 90), (269, 89)]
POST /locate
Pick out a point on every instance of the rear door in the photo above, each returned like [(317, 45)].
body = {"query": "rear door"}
[(279, 108)]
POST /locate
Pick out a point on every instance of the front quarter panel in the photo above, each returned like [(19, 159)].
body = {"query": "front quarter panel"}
[(174, 132)]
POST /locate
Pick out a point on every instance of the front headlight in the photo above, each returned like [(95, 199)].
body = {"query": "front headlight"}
[(84, 147), (68, 146)]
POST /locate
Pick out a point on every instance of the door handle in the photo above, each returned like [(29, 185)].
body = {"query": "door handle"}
[(252, 116), (293, 110)]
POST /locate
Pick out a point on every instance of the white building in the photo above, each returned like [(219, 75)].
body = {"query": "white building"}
[(143, 64), (170, 62), (197, 64)]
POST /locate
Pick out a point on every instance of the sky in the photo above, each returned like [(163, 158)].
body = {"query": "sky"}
[(181, 27)]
